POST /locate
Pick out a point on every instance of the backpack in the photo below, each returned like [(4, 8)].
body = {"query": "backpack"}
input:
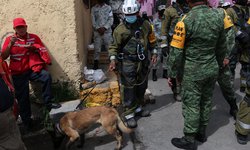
[(243, 34)]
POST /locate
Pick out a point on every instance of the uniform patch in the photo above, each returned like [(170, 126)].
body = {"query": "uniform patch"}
[(227, 21), (248, 22), (179, 36)]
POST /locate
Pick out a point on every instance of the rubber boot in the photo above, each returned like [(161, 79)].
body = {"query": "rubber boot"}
[(154, 76), (96, 62), (233, 108), (185, 143), (165, 73)]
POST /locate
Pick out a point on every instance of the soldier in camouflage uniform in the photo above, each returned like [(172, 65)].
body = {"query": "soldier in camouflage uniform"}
[(224, 76), (102, 20), (130, 50), (199, 48), (171, 15), (240, 16), (238, 13), (157, 29)]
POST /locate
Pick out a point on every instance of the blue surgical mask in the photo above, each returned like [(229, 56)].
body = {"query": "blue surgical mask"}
[(131, 19)]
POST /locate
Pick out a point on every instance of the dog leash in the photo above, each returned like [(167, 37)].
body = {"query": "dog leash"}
[(78, 107)]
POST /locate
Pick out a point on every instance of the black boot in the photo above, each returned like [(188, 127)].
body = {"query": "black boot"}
[(201, 135), (165, 73), (154, 76), (96, 62), (233, 108), (131, 123), (241, 139), (143, 113), (184, 143)]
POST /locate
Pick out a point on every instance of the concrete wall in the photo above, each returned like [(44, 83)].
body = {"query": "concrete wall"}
[(63, 26)]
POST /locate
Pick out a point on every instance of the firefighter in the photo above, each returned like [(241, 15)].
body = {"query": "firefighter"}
[(129, 53)]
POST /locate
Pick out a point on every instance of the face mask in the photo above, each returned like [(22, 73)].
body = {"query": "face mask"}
[(131, 19)]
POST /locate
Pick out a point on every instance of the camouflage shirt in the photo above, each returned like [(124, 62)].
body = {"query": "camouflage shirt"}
[(205, 43), (102, 16)]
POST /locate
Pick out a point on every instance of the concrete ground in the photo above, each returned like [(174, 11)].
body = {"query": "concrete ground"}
[(165, 122)]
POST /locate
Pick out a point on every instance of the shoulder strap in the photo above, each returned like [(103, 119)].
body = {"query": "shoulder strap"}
[(140, 22)]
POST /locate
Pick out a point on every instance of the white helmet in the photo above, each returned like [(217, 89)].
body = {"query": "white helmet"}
[(130, 7), (225, 4), (173, 1), (161, 7)]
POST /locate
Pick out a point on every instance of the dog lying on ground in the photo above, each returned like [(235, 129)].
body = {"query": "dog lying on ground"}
[(74, 124)]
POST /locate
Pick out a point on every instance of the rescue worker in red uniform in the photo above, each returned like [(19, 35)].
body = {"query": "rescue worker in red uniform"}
[(21, 48)]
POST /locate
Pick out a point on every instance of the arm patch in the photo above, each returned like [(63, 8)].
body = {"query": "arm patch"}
[(227, 21), (179, 36)]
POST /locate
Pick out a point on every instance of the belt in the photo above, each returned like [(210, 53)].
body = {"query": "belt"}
[(131, 57)]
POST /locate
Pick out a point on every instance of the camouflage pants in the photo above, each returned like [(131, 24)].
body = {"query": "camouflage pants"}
[(245, 78), (197, 104), (158, 62), (232, 64), (225, 85), (100, 40), (132, 73), (243, 118), (164, 62)]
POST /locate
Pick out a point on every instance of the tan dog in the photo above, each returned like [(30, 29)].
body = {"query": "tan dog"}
[(73, 124)]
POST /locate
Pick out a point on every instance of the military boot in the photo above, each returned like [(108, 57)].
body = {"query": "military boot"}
[(177, 97), (141, 112), (241, 139), (131, 123), (233, 108), (154, 76), (165, 73), (201, 135), (184, 143), (96, 62)]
